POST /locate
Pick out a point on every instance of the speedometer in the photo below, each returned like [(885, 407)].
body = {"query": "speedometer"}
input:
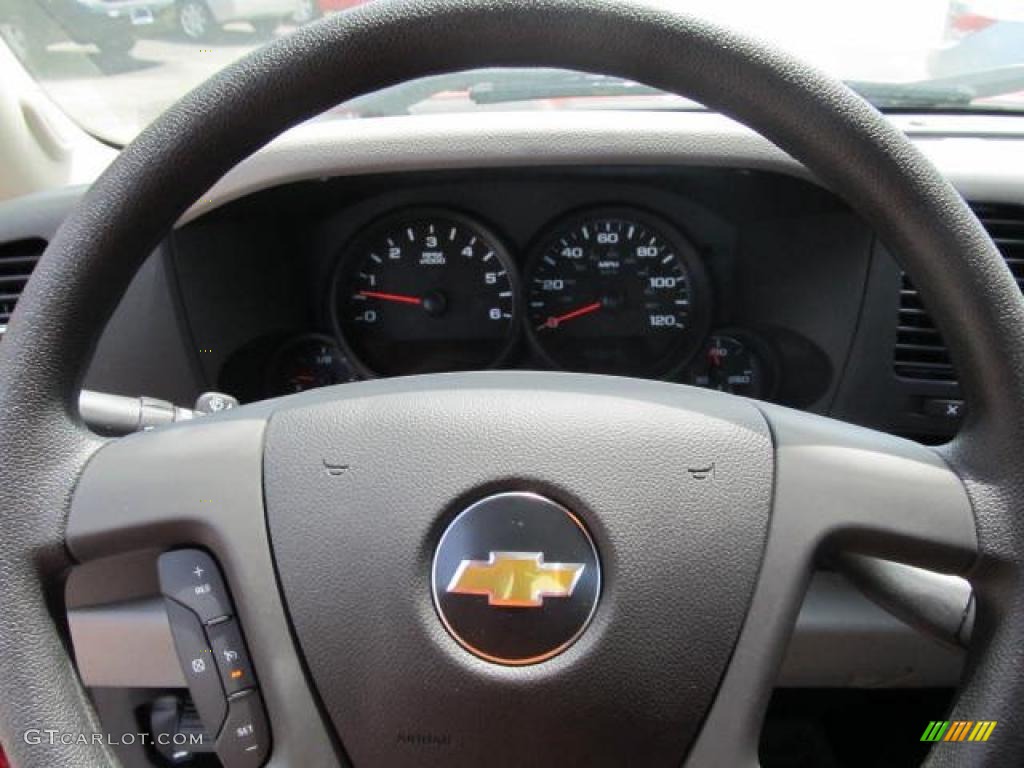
[(616, 291), (425, 291)]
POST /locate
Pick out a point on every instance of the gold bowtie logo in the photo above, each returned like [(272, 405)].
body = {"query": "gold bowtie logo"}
[(515, 579)]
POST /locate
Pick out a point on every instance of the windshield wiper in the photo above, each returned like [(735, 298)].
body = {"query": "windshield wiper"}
[(912, 95), (949, 92), (498, 86), (504, 86), (556, 84)]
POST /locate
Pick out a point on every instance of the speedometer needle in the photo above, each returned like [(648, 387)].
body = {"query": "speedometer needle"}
[(396, 297), (554, 322)]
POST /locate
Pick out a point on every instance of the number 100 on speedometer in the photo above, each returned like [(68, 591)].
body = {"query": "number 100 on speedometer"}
[(616, 291)]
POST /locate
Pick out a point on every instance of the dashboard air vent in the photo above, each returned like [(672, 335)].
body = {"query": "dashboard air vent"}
[(920, 352), (17, 259)]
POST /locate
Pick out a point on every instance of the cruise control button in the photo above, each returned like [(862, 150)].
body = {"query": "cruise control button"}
[(196, 658), (232, 659), (191, 577), (244, 741)]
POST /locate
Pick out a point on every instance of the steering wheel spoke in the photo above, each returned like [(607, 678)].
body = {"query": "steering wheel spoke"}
[(841, 487), (199, 484), (845, 486), (198, 481)]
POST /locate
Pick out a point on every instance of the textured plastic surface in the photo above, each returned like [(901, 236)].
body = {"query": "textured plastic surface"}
[(626, 474), (673, 483), (835, 486)]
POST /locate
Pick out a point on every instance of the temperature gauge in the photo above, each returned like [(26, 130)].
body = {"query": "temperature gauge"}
[(307, 362), (729, 363)]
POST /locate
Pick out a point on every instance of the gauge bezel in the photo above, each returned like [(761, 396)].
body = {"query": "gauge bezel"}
[(350, 250), (674, 362), (277, 356)]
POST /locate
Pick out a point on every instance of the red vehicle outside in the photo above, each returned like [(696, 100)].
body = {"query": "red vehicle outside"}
[(329, 6)]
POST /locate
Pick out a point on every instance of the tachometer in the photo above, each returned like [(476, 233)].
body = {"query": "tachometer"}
[(616, 291), (423, 292)]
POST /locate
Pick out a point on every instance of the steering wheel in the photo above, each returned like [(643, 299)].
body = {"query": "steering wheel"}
[(329, 511)]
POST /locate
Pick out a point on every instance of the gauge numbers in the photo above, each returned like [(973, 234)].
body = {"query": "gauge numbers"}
[(616, 292), (426, 292)]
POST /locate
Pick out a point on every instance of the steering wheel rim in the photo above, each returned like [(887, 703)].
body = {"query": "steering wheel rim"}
[(121, 219)]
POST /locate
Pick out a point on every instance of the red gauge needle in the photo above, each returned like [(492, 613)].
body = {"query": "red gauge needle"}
[(554, 322), (396, 297)]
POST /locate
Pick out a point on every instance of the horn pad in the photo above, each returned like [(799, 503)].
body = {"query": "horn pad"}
[(671, 484)]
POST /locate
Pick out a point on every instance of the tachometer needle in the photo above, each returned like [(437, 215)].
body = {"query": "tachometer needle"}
[(554, 322), (396, 297)]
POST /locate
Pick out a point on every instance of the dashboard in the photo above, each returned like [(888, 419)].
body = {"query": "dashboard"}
[(672, 247), (790, 296), (675, 275)]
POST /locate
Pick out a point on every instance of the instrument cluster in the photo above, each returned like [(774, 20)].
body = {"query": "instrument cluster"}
[(613, 290)]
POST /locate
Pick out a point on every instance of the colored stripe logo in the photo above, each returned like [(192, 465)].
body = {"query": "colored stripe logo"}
[(958, 730)]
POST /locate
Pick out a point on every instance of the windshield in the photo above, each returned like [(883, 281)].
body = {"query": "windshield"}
[(114, 65)]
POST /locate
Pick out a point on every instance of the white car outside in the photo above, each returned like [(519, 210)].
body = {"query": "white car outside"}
[(200, 19)]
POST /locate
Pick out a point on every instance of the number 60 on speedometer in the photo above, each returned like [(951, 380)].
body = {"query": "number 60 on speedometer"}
[(616, 291)]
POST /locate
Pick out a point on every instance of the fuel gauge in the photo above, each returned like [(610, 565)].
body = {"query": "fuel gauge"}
[(307, 362), (729, 362)]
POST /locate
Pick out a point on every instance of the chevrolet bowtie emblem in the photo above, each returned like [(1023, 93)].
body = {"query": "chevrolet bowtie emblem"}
[(495, 549), (515, 579)]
